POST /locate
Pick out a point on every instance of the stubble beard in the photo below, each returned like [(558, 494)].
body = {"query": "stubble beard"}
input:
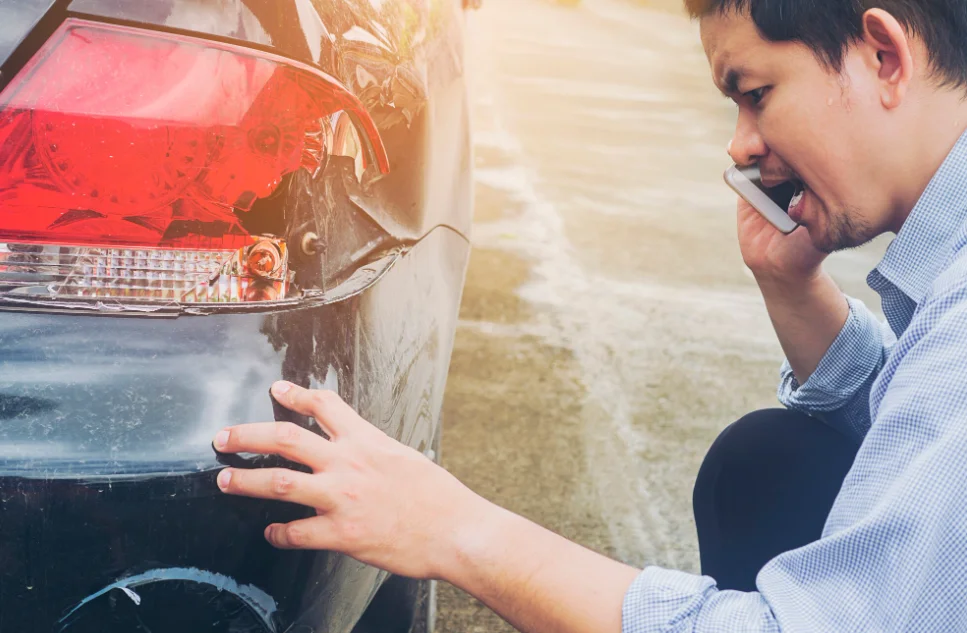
[(844, 230)]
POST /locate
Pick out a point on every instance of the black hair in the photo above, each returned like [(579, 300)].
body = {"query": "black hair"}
[(829, 27)]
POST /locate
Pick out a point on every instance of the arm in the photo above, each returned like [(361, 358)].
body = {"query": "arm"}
[(807, 315), (834, 346), (535, 579), (806, 307), (893, 542), (838, 390)]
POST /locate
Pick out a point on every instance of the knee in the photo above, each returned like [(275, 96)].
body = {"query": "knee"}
[(742, 444)]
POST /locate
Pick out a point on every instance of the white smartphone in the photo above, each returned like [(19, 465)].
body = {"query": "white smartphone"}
[(771, 202)]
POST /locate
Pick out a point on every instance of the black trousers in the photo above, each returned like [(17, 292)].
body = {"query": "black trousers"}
[(766, 487)]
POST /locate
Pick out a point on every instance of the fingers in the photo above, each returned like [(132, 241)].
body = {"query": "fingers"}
[(276, 438), (333, 415), (311, 533), (277, 483)]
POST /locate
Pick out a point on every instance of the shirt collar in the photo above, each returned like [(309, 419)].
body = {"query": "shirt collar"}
[(921, 248)]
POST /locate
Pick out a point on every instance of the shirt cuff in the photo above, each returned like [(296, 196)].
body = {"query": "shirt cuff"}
[(660, 597), (854, 355)]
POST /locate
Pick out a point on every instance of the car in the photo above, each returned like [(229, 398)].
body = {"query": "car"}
[(199, 198)]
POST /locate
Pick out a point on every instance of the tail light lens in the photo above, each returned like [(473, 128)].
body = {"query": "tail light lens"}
[(130, 158), (254, 273)]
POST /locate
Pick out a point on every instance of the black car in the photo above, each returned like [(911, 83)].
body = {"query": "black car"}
[(198, 198)]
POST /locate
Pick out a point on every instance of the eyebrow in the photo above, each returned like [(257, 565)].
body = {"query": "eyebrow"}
[(731, 82)]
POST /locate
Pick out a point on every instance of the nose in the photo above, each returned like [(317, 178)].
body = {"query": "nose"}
[(747, 146)]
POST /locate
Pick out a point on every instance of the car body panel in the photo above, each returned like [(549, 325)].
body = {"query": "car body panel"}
[(108, 508), (20, 18), (95, 467)]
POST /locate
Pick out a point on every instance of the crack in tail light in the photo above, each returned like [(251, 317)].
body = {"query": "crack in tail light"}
[(123, 145)]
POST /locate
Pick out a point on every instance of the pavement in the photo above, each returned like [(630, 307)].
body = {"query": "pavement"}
[(609, 330)]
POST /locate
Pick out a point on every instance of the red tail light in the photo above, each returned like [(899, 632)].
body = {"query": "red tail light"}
[(117, 137)]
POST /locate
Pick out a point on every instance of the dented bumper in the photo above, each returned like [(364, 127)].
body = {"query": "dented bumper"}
[(110, 517)]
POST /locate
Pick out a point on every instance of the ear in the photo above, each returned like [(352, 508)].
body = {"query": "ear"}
[(889, 55)]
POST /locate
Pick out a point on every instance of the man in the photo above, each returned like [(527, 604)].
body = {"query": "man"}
[(855, 522)]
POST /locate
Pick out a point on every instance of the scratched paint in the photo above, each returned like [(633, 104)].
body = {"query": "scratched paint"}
[(254, 598)]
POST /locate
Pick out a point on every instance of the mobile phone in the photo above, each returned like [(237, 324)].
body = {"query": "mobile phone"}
[(771, 202)]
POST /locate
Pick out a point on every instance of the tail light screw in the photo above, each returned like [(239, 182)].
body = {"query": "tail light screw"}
[(311, 243)]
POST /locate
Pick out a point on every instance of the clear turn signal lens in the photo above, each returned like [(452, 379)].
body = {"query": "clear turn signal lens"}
[(258, 272)]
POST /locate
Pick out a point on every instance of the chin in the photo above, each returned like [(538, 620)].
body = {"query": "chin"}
[(821, 239), (840, 232)]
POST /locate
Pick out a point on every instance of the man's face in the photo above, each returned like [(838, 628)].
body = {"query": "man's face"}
[(802, 122)]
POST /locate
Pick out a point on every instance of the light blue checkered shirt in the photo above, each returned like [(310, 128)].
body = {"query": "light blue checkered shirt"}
[(893, 555)]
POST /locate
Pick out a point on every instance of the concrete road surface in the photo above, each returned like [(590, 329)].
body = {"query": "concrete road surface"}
[(609, 329)]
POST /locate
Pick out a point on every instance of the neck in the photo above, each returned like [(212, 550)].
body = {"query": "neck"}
[(938, 124)]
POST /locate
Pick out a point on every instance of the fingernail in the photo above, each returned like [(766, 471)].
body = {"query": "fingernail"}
[(282, 386), (221, 440), (224, 478)]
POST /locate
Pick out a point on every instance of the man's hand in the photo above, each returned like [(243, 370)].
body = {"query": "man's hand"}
[(387, 505), (773, 255), (377, 500)]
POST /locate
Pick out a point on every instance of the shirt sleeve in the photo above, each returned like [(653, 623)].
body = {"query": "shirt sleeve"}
[(838, 392), (894, 547), (663, 600)]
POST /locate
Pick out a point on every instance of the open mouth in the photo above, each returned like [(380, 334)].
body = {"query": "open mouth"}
[(788, 192)]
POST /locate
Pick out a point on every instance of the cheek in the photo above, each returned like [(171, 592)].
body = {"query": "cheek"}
[(792, 127), (812, 131), (812, 107)]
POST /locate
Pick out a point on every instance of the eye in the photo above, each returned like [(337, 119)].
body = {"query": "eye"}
[(756, 96)]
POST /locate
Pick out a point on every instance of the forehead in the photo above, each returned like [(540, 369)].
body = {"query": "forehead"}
[(733, 46)]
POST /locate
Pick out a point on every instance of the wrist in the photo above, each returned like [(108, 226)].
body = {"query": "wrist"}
[(469, 539), (786, 282)]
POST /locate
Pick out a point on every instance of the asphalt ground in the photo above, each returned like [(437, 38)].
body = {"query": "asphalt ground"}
[(609, 330)]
